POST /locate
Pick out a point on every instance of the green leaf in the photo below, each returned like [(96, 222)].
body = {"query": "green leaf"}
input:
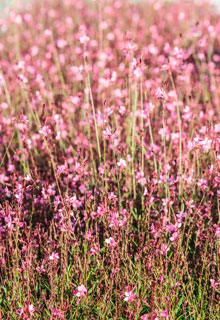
[(179, 305)]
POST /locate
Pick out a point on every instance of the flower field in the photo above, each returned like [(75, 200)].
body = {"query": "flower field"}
[(110, 161)]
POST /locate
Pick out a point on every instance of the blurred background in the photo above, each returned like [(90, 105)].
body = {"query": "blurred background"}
[(6, 4)]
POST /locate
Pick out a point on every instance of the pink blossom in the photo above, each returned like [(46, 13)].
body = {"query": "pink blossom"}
[(22, 79), (54, 256), (129, 295), (45, 130), (75, 203), (58, 313), (217, 232), (61, 43), (28, 177), (164, 248), (214, 284), (81, 291), (47, 33), (121, 163), (31, 308), (111, 242), (145, 317), (164, 314), (174, 237), (84, 39), (161, 94), (122, 110), (141, 178), (107, 133)]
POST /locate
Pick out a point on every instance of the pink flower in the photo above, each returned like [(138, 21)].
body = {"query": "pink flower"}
[(20, 311), (61, 43), (121, 163), (122, 110), (174, 237), (81, 291), (54, 256), (94, 250), (4, 105), (164, 314), (45, 130), (21, 78), (164, 248), (145, 317), (57, 313), (31, 309), (47, 33), (84, 39), (161, 94), (129, 295), (107, 133), (111, 242), (140, 178), (28, 177), (214, 284), (74, 202), (2, 80), (217, 233)]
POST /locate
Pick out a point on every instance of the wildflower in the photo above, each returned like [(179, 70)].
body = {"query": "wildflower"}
[(9, 222), (28, 177), (145, 317), (7, 192), (214, 284), (41, 269), (165, 67), (111, 242), (47, 33), (114, 76), (95, 249), (61, 43), (149, 107), (122, 110), (20, 65), (164, 314), (107, 133), (22, 79), (57, 313), (217, 232), (31, 308), (74, 202), (161, 94), (4, 106), (136, 69), (174, 237), (81, 291), (140, 178), (83, 38), (20, 311), (54, 256), (121, 163), (164, 248), (129, 295), (202, 183), (45, 130), (2, 80), (206, 144)]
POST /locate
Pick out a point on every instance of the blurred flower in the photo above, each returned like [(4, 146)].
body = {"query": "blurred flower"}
[(81, 291), (129, 295)]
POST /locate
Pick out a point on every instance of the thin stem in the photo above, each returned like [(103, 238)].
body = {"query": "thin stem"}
[(133, 144)]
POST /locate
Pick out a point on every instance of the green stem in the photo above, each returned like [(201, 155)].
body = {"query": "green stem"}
[(133, 144)]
